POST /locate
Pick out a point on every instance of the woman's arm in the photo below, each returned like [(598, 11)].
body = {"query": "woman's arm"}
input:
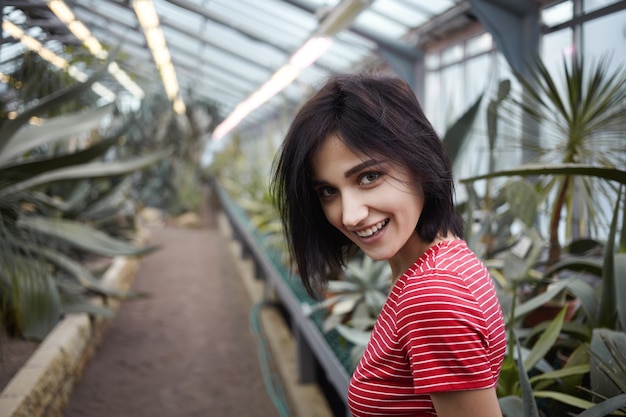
[(473, 403)]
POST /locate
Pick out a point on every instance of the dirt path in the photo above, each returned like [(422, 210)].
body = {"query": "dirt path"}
[(187, 350)]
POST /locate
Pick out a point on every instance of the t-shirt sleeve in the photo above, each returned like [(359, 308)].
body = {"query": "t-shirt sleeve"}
[(443, 333)]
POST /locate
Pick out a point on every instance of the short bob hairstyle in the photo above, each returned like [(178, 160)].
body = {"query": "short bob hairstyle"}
[(377, 115)]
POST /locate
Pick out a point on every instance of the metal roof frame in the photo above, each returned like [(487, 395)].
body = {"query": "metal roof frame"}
[(224, 50)]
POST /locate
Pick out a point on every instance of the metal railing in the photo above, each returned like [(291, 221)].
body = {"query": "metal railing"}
[(312, 347)]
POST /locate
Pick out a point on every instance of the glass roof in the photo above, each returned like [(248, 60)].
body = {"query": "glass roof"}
[(224, 50)]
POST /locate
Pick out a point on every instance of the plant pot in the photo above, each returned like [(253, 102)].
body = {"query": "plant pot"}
[(549, 310)]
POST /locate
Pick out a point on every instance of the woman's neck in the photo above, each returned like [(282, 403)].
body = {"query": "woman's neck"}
[(404, 259)]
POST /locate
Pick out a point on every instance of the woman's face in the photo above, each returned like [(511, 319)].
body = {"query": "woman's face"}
[(375, 203)]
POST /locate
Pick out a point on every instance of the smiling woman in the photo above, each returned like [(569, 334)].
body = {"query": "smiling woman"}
[(375, 205), (361, 167)]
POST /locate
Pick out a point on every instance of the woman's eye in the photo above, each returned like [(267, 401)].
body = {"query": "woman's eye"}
[(369, 178), (325, 191)]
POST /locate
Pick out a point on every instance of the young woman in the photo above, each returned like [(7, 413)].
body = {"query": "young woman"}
[(361, 167)]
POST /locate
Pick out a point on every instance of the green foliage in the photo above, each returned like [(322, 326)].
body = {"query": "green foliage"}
[(354, 301), (49, 80), (583, 121), (455, 137), (254, 197), (359, 295), (54, 179), (175, 183), (584, 132)]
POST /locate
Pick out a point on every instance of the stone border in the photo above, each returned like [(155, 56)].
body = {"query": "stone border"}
[(43, 385)]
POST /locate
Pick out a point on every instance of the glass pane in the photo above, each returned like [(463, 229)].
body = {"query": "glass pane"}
[(591, 5), (478, 44), (479, 72), (431, 7), (508, 148), (382, 24), (604, 36), (431, 61), (402, 12), (452, 54), (452, 82), (433, 101), (560, 13), (556, 46)]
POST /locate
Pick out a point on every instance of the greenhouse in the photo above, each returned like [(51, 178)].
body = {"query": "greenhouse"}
[(181, 183)]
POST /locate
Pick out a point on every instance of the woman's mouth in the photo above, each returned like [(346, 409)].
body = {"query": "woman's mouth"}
[(371, 231)]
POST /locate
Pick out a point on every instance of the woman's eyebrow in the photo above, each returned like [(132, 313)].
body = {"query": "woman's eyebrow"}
[(350, 172), (361, 167)]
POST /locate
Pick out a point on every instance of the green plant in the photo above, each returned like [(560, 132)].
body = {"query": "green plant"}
[(587, 131), (173, 184), (579, 340), (40, 277), (354, 301), (583, 118), (254, 197), (357, 297)]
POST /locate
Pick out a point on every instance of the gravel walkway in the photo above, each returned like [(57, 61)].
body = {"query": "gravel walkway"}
[(185, 351)]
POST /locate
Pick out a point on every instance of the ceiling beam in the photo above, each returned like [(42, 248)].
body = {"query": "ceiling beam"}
[(242, 31), (169, 23), (183, 4)]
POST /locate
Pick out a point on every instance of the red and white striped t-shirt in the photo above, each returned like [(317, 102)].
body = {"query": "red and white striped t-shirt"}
[(441, 329)]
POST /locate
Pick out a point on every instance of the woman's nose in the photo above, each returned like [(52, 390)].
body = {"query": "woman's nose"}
[(354, 211)]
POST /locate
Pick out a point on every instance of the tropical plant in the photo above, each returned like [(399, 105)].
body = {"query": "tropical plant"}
[(354, 301), (604, 393), (583, 122), (257, 202), (358, 295), (40, 277), (173, 184), (33, 78), (561, 387), (587, 130)]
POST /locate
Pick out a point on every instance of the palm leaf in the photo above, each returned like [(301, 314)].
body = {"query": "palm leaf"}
[(564, 398), (546, 341), (556, 169), (72, 304), (608, 299), (620, 287), (455, 136), (528, 398), (109, 202)]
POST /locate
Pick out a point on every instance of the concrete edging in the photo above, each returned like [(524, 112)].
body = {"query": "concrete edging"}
[(43, 385)]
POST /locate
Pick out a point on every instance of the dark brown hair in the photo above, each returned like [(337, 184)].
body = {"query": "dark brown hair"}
[(376, 115)]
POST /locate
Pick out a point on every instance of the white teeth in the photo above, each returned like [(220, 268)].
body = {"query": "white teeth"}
[(370, 231)]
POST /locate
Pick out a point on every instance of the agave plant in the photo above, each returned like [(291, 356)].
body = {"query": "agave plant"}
[(355, 300), (359, 295), (40, 277)]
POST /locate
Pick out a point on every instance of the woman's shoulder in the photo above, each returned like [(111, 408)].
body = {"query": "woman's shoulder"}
[(447, 255), (449, 264)]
